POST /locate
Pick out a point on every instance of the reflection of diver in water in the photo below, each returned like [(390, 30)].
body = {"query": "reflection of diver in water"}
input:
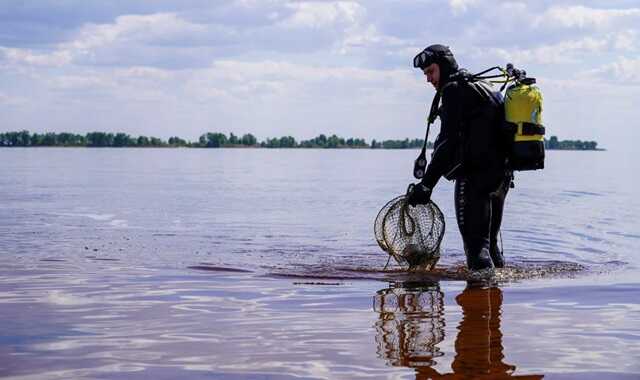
[(411, 325)]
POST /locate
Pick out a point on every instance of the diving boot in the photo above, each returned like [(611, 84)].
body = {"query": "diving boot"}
[(479, 261), (497, 257)]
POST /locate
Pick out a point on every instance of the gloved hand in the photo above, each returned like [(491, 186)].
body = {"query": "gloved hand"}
[(420, 195)]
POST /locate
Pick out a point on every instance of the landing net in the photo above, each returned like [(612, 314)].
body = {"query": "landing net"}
[(410, 234)]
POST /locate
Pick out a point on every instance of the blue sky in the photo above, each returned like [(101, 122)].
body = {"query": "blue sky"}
[(272, 68)]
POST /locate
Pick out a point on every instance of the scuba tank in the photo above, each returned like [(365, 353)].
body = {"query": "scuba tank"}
[(523, 122)]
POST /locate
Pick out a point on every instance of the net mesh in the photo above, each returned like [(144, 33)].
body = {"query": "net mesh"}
[(410, 234)]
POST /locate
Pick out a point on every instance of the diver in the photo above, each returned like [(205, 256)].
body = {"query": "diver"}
[(470, 150)]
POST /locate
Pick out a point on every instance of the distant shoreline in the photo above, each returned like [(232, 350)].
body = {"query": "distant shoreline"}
[(220, 140), (253, 147)]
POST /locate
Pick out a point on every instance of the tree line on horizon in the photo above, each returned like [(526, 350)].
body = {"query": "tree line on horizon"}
[(207, 140), (554, 144), (220, 140)]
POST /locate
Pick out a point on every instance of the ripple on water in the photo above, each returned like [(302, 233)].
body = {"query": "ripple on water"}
[(515, 271)]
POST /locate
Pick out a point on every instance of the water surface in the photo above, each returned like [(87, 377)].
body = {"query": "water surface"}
[(159, 263)]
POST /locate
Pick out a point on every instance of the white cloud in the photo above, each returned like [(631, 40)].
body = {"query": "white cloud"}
[(80, 82), (9, 100), (368, 37), (142, 72), (151, 28), (626, 40), (128, 33), (564, 52), (323, 14), (29, 57), (346, 20), (134, 39), (284, 81), (583, 17), (461, 6), (624, 70)]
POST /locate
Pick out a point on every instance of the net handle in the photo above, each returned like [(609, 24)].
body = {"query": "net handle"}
[(410, 189), (404, 213)]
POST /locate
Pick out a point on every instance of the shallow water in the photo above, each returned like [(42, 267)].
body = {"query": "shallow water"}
[(158, 263)]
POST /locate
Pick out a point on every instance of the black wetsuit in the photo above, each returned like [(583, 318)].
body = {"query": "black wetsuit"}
[(470, 149)]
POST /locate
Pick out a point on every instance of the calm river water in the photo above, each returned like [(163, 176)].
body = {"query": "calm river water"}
[(261, 264)]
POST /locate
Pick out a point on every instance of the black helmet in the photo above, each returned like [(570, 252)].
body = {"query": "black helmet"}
[(439, 54)]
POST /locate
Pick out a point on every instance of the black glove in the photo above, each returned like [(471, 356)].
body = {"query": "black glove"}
[(419, 195)]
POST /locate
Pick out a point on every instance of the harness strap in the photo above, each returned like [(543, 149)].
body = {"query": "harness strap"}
[(421, 161), (526, 129), (532, 129)]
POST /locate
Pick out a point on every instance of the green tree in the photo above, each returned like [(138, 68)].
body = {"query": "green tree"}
[(248, 139), (321, 140), (70, 139), (155, 141), (287, 142), (177, 141), (36, 139), (122, 140), (272, 143), (50, 139), (99, 139), (216, 140), (143, 141), (392, 144), (306, 144), (24, 138), (332, 142)]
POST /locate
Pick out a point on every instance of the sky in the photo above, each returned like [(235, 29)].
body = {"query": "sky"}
[(272, 68)]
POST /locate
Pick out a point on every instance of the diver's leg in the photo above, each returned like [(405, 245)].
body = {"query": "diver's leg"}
[(473, 214), (497, 208)]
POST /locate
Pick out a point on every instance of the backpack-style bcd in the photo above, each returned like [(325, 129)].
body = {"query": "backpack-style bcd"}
[(522, 123)]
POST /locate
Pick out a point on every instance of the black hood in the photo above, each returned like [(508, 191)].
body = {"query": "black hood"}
[(443, 56)]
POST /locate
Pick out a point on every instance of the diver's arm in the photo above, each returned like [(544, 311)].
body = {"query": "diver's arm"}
[(447, 140)]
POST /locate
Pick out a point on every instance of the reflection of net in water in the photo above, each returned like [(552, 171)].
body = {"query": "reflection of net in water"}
[(410, 326), (411, 235)]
